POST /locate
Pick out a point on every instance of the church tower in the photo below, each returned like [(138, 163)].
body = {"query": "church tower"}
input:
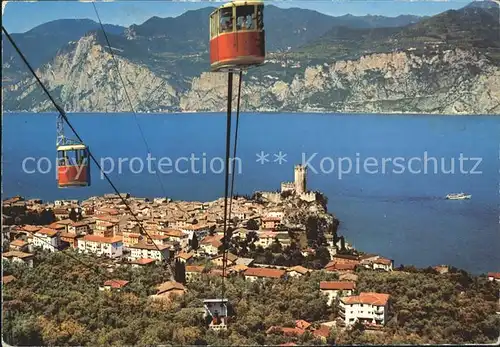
[(300, 179)]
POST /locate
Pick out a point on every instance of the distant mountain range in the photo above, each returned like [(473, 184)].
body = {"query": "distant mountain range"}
[(172, 54)]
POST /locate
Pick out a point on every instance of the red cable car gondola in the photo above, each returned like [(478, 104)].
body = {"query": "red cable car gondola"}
[(237, 38), (73, 169), (73, 166)]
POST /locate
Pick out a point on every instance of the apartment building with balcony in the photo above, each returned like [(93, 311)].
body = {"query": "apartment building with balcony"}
[(367, 307)]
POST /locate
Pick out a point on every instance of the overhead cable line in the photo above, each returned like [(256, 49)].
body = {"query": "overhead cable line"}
[(226, 178), (65, 118), (148, 148), (235, 143)]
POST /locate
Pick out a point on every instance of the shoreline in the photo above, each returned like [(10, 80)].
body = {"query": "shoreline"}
[(183, 201), (260, 113)]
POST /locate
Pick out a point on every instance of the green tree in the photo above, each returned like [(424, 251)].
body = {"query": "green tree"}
[(252, 224), (194, 242)]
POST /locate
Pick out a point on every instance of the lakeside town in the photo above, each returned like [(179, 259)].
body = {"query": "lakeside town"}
[(286, 235)]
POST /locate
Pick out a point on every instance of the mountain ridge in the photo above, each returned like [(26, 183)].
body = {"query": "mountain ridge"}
[(360, 68)]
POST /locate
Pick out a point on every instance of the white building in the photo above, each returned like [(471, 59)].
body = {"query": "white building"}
[(276, 213), (47, 239), (21, 257), (266, 238), (210, 245), (148, 251), (111, 247), (297, 271), (371, 308), (377, 262), (494, 276), (332, 289), (78, 228)]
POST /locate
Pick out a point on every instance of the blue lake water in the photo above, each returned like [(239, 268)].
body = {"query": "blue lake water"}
[(398, 211)]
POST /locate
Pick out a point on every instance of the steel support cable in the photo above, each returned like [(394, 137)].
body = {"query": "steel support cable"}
[(64, 116), (226, 178), (127, 95), (235, 143)]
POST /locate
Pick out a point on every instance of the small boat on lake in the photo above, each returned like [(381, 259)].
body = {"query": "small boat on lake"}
[(458, 196)]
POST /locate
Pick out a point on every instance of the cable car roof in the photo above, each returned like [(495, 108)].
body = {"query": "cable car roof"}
[(215, 300), (71, 147), (240, 3)]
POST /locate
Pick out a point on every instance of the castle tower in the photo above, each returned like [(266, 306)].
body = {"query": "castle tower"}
[(300, 179)]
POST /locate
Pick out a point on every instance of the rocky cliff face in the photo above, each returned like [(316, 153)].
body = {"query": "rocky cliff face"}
[(454, 81), (84, 78)]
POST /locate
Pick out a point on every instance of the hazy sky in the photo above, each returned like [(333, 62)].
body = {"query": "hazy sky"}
[(22, 16)]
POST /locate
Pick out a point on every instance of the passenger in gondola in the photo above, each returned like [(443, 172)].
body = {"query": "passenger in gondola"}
[(249, 22), (240, 23)]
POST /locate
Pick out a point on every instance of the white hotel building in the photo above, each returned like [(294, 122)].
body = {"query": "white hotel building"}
[(371, 308)]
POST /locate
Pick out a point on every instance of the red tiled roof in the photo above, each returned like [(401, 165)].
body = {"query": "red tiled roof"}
[(102, 239), (116, 283), (31, 228), (302, 324), (194, 268), (57, 226), (336, 285), (170, 285), (184, 255), (377, 299), (337, 266), (18, 243), (212, 240), (143, 261), (69, 235), (48, 232), (323, 331), (17, 254), (383, 261), (263, 272), (8, 279)]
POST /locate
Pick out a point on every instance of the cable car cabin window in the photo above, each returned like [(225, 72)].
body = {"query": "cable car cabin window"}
[(81, 157), (260, 17), (245, 18), (213, 25), (73, 157), (226, 20), (62, 159)]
